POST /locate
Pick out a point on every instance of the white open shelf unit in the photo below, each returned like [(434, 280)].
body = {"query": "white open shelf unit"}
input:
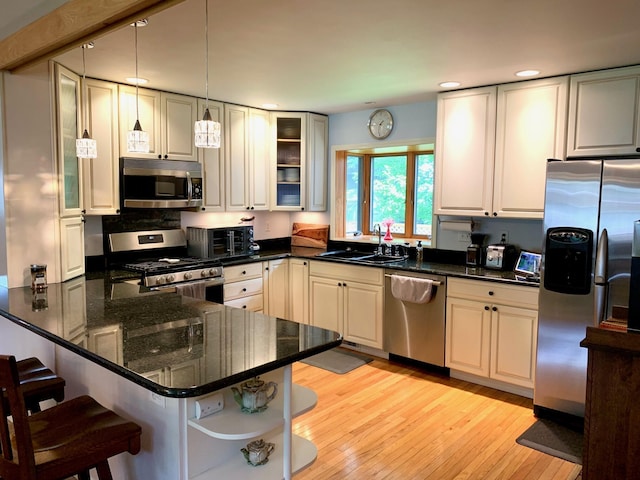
[(304, 452), (231, 423)]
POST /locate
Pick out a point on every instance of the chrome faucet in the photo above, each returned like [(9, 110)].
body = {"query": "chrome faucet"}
[(378, 230)]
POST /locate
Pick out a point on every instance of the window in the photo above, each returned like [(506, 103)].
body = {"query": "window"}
[(395, 186)]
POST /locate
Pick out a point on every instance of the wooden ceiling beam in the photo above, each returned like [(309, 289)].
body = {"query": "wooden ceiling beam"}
[(70, 25)]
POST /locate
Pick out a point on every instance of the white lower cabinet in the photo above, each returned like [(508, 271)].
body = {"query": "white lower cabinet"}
[(214, 443), (492, 330), (243, 286), (347, 299), (178, 375), (275, 280), (299, 290)]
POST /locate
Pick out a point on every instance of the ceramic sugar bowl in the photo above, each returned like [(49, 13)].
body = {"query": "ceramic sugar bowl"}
[(257, 452), (253, 395)]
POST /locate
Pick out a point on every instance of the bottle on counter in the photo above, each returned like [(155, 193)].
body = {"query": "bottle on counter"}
[(419, 251)]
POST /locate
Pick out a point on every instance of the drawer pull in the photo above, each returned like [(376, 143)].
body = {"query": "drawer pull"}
[(490, 292), (244, 289)]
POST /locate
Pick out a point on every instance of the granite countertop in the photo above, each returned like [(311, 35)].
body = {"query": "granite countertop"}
[(157, 331), (409, 265)]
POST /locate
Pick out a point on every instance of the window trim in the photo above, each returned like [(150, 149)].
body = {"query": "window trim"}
[(337, 166)]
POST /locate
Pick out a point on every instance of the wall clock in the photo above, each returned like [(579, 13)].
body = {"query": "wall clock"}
[(380, 124)]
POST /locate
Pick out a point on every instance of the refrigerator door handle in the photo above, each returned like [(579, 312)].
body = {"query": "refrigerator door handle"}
[(601, 278)]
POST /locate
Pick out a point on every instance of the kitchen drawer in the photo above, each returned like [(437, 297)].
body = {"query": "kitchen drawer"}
[(237, 273), (244, 288), (253, 303), (492, 292), (341, 271)]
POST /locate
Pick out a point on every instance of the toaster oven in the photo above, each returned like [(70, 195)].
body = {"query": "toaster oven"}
[(207, 242)]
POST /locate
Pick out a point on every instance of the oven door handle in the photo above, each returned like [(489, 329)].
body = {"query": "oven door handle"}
[(210, 282)]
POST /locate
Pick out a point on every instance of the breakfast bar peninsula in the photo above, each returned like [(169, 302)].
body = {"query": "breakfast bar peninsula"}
[(161, 359)]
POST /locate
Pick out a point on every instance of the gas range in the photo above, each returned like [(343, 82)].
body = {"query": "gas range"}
[(160, 257), (166, 271)]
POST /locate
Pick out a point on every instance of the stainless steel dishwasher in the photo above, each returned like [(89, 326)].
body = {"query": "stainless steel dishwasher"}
[(415, 330)]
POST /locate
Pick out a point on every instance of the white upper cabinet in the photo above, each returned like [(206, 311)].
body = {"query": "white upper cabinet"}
[(530, 128), (67, 91), (212, 160), (246, 158), (168, 118), (465, 142), (259, 150), (100, 176), (492, 146), (147, 110), (177, 126), (604, 113), (299, 159), (317, 144)]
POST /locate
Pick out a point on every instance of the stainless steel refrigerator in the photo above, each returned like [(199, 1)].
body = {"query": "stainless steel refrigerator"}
[(590, 209)]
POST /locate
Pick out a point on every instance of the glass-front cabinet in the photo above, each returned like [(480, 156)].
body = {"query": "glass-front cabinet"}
[(68, 120), (289, 155)]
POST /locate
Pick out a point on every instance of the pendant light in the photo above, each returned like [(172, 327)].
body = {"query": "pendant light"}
[(137, 139), (86, 146), (207, 132)]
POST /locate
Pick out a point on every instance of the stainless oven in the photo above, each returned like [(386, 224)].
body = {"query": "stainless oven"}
[(160, 183)]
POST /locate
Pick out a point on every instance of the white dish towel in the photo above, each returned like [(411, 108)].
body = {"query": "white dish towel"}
[(411, 289)]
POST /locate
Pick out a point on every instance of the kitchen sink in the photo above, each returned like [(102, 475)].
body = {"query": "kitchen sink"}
[(361, 257), (345, 254), (380, 259)]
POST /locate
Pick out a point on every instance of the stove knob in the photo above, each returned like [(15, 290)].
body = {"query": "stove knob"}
[(188, 276), (160, 280), (203, 273), (171, 277), (212, 272)]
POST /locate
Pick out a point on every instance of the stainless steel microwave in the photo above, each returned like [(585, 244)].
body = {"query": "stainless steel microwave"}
[(160, 183)]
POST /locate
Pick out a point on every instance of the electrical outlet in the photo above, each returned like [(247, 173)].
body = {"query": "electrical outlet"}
[(158, 399), (464, 237), (267, 227), (504, 237)]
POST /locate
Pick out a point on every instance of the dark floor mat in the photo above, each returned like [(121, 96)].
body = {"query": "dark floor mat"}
[(554, 439)]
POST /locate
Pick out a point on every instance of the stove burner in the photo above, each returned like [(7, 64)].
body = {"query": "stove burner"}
[(160, 272)]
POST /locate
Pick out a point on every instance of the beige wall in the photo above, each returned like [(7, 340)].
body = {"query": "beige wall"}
[(30, 182)]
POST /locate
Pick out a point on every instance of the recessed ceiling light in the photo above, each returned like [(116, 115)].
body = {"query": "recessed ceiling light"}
[(270, 105), (136, 81), (449, 84), (527, 73)]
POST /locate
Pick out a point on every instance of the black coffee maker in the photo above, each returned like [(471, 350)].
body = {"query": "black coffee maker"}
[(476, 251)]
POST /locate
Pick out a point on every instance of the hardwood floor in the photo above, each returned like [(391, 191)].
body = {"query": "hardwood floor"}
[(389, 421)]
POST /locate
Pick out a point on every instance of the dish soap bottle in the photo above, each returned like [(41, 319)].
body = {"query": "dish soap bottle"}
[(419, 252)]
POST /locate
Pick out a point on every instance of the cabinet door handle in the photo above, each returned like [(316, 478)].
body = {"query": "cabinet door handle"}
[(244, 289), (339, 284), (495, 309), (495, 214), (486, 307), (244, 272), (304, 263), (344, 284), (244, 306), (486, 214)]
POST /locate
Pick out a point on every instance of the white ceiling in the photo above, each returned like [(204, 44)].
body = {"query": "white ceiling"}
[(334, 56)]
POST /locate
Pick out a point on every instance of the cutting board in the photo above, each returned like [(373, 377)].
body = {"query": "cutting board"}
[(309, 235)]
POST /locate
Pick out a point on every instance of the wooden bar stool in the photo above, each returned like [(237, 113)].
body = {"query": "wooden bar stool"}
[(65, 440), (39, 383)]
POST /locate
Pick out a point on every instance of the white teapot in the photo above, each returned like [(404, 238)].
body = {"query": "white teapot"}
[(253, 396)]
